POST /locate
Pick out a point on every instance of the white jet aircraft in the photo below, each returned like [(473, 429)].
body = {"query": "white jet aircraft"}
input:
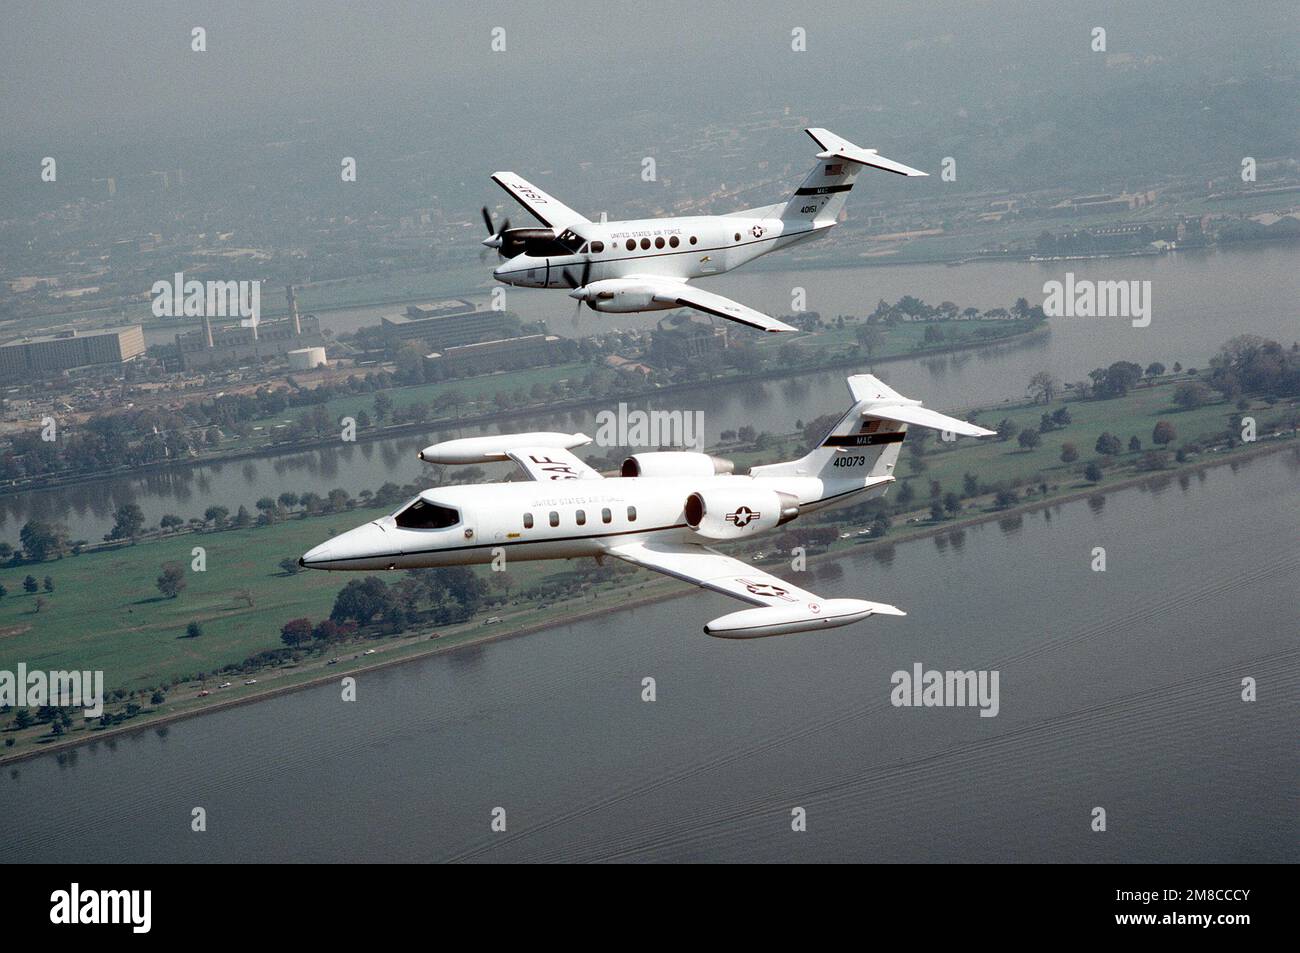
[(645, 265), (663, 512)]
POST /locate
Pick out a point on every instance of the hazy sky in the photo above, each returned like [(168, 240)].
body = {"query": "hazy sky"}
[(109, 68)]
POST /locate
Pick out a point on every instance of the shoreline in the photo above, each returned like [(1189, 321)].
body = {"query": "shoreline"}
[(920, 532), (427, 426)]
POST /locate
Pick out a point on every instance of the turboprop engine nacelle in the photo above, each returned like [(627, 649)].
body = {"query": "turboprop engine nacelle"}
[(737, 512), (620, 295), (674, 463)]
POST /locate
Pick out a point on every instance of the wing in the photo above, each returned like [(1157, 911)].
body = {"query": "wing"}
[(712, 570), (551, 463), (546, 209), (670, 291)]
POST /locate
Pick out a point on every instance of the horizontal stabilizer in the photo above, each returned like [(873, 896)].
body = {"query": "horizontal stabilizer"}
[(920, 417), (836, 148)]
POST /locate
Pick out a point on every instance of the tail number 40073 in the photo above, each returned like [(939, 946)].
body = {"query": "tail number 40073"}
[(849, 462)]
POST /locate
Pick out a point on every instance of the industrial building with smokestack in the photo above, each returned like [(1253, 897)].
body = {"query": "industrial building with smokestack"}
[(236, 344)]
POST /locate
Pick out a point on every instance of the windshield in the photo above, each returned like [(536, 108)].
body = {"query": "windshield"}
[(570, 240), (425, 515)]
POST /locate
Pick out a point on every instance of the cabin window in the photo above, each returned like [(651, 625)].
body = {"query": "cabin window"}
[(584, 249), (528, 521), (737, 236), (555, 518), (674, 241), (606, 516), (581, 517), (645, 243), (659, 242), (631, 514), (631, 244), (597, 247), (425, 515), (693, 239)]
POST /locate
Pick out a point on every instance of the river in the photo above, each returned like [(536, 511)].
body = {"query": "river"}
[(1199, 300), (1118, 689)]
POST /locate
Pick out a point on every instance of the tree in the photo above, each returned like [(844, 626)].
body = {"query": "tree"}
[(268, 508), (1043, 386), (4, 591), (970, 484), (171, 521), (870, 338), (1029, 439), (290, 565), (1190, 394), (41, 540), (172, 580), (1134, 444), (383, 406), (1109, 445), (193, 630), (288, 499), (295, 632), (952, 503), (361, 600), (30, 584), (1006, 429), (1069, 453), (1155, 369), (1006, 498), (128, 520), (1092, 472), (48, 584), (1164, 433), (216, 515)]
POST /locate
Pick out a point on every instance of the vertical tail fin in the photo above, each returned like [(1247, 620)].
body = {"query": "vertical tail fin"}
[(821, 197), (866, 440)]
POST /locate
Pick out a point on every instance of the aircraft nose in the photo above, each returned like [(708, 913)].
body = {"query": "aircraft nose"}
[(365, 547)]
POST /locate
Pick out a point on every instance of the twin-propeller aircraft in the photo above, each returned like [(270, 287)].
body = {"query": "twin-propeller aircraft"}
[(662, 513), (645, 265)]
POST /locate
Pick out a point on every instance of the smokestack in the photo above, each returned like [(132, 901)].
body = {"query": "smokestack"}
[(293, 312)]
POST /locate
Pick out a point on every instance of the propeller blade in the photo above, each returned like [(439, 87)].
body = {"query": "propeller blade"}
[(487, 220), (568, 279)]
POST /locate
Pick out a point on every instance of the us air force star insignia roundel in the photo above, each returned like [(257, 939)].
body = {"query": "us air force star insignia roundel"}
[(765, 589), (742, 517), (758, 231)]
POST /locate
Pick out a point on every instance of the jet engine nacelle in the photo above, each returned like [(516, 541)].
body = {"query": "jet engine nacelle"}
[(622, 295), (737, 512), (674, 463)]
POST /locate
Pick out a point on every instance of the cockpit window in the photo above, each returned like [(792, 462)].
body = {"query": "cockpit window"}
[(570, 240), (425, 515)]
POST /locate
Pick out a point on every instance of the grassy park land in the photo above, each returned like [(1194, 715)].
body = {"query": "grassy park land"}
[(106, 613)]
